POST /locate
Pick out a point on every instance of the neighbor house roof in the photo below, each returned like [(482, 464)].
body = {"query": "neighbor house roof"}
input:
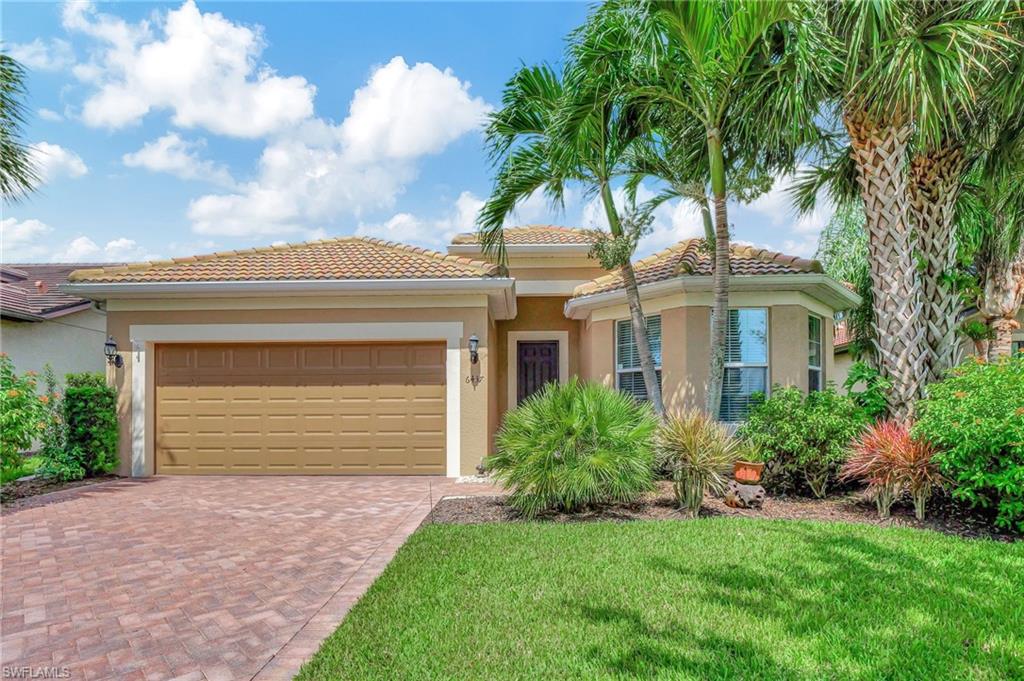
[(31, 292), (346, 258), (688, 258), (841, 338), (537, 235)]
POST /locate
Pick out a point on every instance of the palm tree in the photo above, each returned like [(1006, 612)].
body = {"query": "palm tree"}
[(905, 74), (552, 131), (18, 175), (746, 75)]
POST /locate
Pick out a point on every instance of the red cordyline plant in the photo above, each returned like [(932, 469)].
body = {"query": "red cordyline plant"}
[(892, 462)]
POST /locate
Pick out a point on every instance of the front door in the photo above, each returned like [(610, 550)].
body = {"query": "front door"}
[(538, 364)]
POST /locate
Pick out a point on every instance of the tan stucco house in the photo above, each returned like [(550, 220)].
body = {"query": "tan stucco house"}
[(358, 356)]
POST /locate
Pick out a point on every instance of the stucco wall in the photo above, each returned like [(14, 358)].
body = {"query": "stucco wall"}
[(476, 423), (70, 344), (787, 346), (841, 368)]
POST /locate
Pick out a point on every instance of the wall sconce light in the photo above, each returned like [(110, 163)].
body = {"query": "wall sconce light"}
[(474, 345), (110, 351)]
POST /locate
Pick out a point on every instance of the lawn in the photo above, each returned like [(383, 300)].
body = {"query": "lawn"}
[(716, 598)]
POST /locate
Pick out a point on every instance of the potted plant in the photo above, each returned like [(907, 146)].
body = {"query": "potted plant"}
[(750, 466)]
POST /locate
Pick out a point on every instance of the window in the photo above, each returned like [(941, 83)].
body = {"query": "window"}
[(1017, 346), (746, 362), (813, 353), (628, 376)]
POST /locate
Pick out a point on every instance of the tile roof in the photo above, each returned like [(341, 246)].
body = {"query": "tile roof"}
[(687, 258), (31, 290), (344, 258), (841, 335), (537, 235)]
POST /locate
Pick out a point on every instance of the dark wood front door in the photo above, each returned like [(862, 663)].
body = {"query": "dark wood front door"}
[(538, 364)]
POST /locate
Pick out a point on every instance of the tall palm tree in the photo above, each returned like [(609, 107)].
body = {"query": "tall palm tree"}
[(905, 74), (18, 175), (553, 131), (747, 75)]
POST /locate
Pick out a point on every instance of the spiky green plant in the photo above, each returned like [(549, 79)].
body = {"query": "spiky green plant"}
[(698, 454), (574, 445)]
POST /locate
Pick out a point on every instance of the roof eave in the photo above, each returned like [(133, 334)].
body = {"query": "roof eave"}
[(819, 286)]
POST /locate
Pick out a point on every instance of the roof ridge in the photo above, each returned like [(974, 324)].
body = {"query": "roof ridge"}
[(654, 258), (482, 265), (765, 255)]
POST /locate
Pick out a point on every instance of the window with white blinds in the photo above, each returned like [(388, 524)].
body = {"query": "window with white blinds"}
[(628, 376), (814, 381), (746, 362)]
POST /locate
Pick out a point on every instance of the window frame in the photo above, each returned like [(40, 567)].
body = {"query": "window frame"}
[(637, 370), (745, 365), (821, 353)]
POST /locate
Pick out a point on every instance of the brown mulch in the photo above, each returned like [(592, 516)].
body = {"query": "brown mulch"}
[(17, 490), (944, 514)]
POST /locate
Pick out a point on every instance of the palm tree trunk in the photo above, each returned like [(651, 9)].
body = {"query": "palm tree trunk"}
[(720, 283), (880, 156), (1002, 297), (638, 321), (709, 225), (936, 178)]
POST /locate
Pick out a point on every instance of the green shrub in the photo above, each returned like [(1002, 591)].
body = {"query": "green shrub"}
[(90, 412), (975, 416), (803, 437), (697, 453), (56, 461), (574, 445), (21, 414), (872, 398)]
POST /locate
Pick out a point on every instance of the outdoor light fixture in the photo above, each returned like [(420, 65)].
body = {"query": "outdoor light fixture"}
[(474, 345), (110, 350)]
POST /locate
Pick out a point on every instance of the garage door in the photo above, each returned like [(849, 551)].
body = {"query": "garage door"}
[(302, 408)]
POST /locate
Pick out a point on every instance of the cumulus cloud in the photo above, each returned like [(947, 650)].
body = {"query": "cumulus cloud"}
[(50, 115), (202, 67), (40, 55), (318, 171), (176, 156), (405, 112), (799, 234), (32, 241), (54, 161), (433, 233), (674, 221)]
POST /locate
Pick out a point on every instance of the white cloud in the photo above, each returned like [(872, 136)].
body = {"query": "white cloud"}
[(777, 206), (176, 156), (200, 66), (317, 171), (435, 233), (22, 240), (31, 241), (51, 55), (405, 112), (50, 115), (53, 161)]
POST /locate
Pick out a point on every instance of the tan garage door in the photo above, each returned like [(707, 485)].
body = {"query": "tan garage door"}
[(309, 408)]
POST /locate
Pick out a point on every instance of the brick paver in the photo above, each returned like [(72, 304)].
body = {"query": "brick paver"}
[(198, 577)]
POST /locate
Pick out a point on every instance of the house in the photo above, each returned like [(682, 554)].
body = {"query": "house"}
[(359, 356), (40, 324)]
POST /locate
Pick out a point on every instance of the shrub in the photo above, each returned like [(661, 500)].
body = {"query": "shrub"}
[(56, 461), (887, 458), (803, 437), (975, 417), (872, 398), (90, 412), (21, 414), (574, 445), (697, 453)]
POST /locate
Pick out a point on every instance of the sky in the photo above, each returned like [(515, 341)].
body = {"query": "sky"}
[(167, 130)]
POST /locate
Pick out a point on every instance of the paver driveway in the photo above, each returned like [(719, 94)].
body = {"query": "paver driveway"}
[(193, 577)]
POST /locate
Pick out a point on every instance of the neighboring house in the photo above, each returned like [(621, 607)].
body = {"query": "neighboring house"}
[(40, 324), (843, 357), (356, 356)]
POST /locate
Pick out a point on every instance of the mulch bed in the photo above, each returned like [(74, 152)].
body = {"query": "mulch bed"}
[(23, 489), (944, 514)]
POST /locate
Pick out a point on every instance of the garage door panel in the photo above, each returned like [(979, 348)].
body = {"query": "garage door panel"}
[(301, 408)]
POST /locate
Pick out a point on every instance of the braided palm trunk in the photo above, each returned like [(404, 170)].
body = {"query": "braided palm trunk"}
[(1001, 299), (936, 178), (879, 154)]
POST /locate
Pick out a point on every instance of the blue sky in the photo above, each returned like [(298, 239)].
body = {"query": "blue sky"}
[(173, 129)]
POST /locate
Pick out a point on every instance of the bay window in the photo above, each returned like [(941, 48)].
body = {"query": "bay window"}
[(628, 377), (746, 362)]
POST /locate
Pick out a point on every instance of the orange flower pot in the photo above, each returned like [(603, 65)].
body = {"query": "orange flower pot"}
[(747, 471)]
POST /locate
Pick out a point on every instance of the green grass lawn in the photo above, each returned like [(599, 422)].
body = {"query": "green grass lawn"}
[(717, 598)]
